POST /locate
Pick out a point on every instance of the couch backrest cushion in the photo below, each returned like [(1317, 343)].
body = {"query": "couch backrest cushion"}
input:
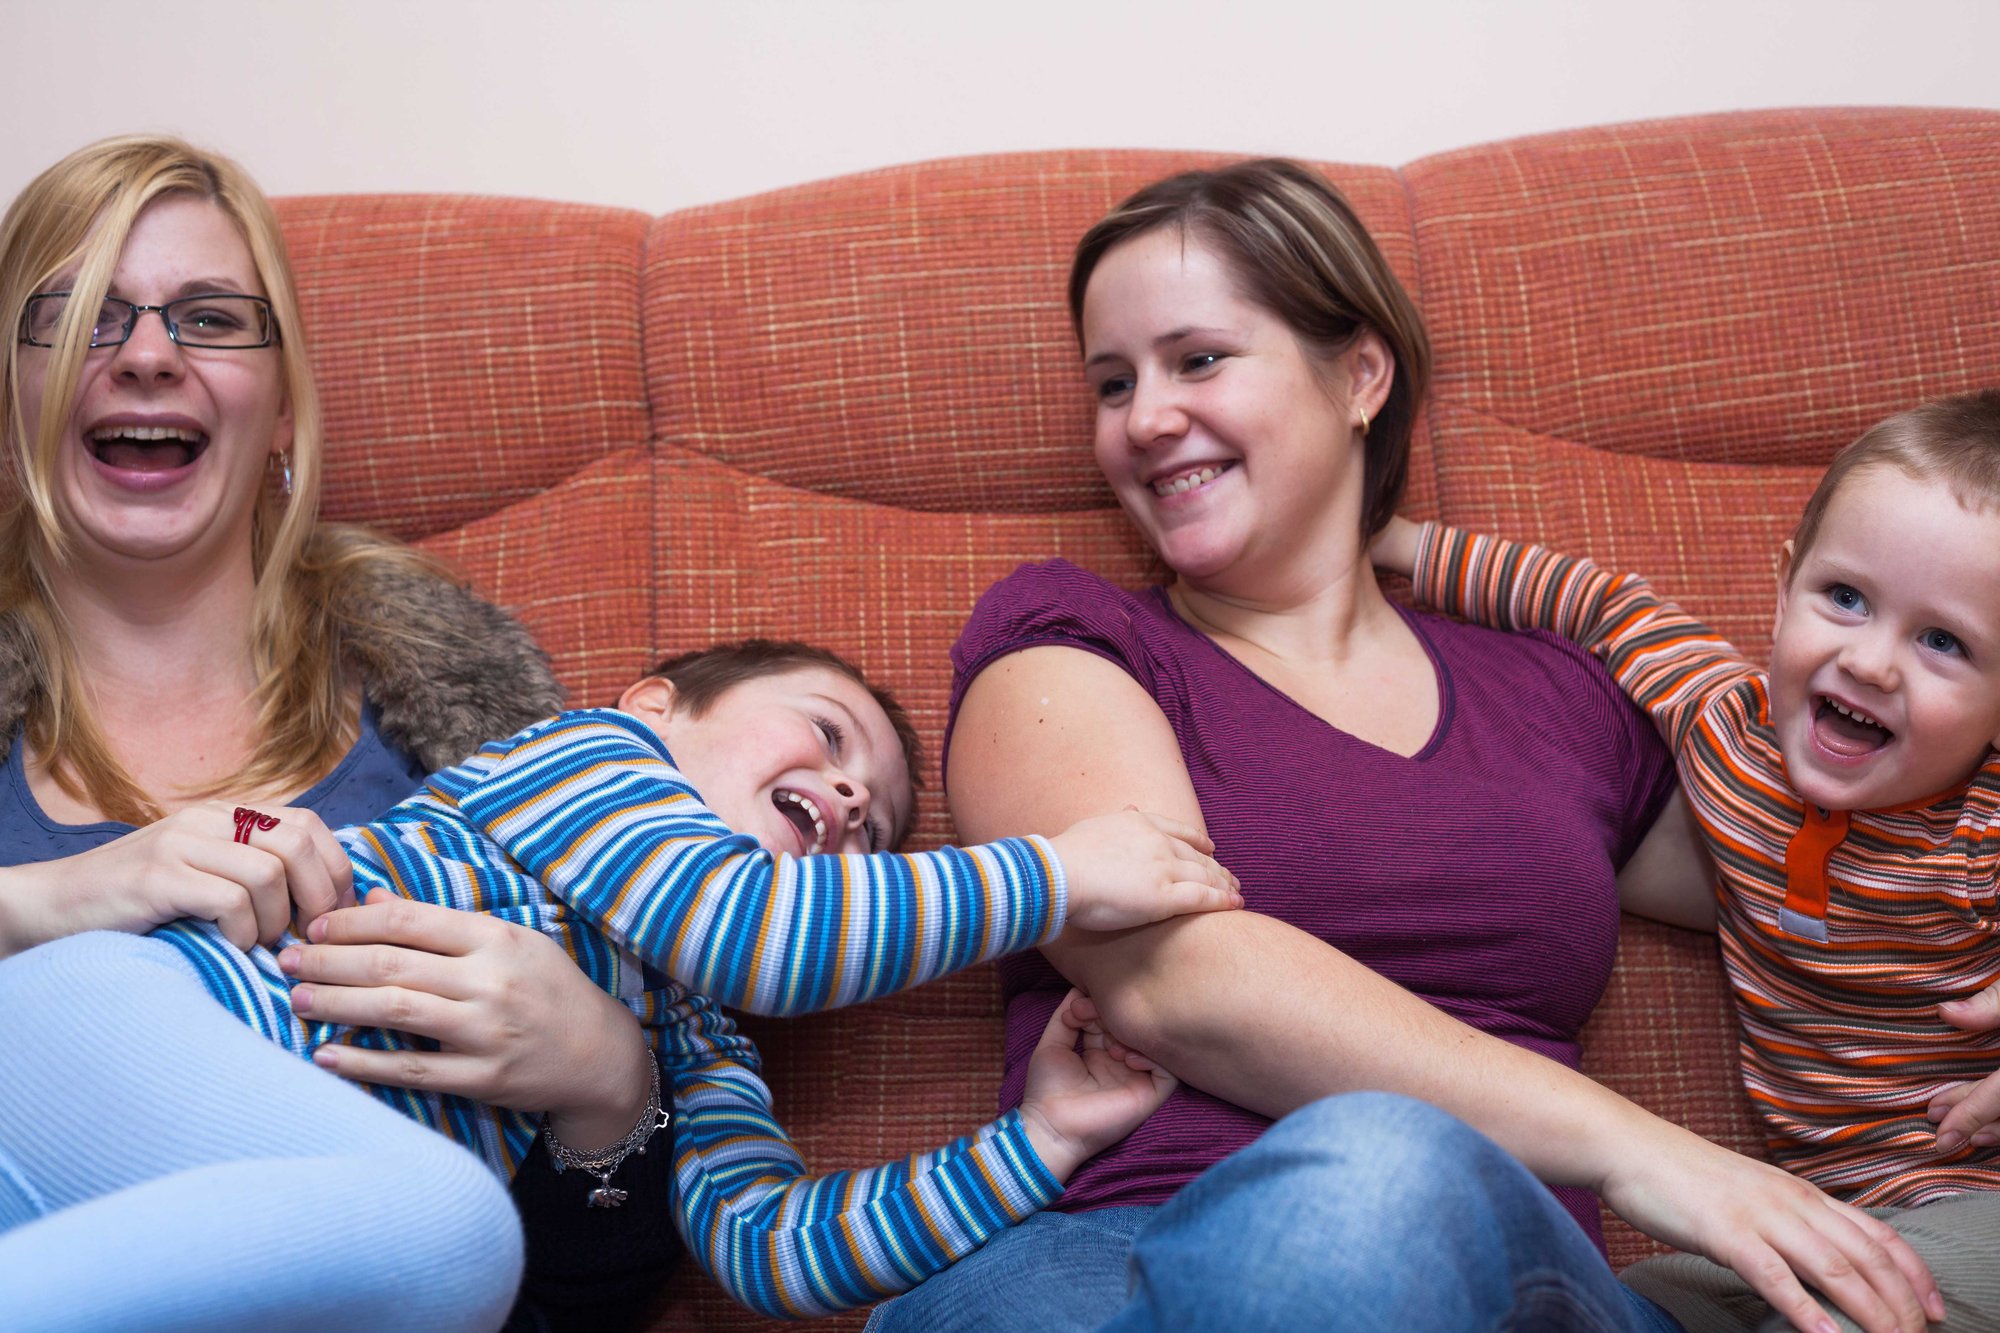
[(510, 361), (900, 336)]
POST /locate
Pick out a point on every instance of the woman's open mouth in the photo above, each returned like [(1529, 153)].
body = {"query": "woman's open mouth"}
[(804, 816), (1847, 733), (1180, 483), (146, 449)]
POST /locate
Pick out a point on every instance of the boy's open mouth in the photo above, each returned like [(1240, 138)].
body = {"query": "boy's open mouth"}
[(146, 448), (804, 815), (1845, 731)]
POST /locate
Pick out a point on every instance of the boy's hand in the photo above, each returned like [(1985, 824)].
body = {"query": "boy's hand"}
[(1131, 869), (1078, 1103), (1394, 548), (1968, 1112)]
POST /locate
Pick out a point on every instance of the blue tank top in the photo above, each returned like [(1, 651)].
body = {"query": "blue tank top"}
[(372, 776)]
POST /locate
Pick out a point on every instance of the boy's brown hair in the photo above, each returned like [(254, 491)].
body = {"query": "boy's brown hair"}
[(1955, 440), (703, 676)]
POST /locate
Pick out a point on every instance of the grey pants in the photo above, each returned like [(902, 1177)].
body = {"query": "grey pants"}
[(1958, 1237)]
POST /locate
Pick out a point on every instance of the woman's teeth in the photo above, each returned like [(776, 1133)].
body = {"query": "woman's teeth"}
[(803, 813), (146, 448), (1187, 481)]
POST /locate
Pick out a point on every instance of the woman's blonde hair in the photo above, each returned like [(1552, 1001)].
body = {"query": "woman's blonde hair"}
[(73, 219)]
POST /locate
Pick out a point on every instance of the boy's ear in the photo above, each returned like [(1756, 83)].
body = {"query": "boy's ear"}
[(1784, 585), (651, 699)]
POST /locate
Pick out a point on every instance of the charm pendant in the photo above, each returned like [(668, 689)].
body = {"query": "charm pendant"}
[(604, 1196)]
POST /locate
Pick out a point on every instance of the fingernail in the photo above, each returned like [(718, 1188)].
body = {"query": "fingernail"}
[(302, 999), (316, 932), (1934, 1307), (288, 959), (1950, 1141), (327, 1057), (1986, 1138), (1935, 1114)]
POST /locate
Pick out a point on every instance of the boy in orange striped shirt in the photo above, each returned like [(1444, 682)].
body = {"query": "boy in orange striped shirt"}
[(1850, 799)]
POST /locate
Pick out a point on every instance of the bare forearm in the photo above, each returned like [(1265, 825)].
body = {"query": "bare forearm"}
[(1263, 1015), (29, 911)]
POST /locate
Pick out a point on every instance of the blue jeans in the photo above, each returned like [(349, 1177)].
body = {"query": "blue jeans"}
[(1364, 1211)]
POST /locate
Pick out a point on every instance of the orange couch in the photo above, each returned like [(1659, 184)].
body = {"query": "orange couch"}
[(839, 411)]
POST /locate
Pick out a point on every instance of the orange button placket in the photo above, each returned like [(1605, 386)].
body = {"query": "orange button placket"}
[(1806, 856)]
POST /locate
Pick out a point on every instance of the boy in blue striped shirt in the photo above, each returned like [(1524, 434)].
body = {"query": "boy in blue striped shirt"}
[(724, 836)]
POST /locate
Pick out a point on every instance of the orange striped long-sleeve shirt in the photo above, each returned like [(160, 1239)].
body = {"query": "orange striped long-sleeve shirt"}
[(1841, 931)]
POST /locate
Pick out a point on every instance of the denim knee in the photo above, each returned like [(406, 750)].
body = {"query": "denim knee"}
[(1377, 1206), (1378, 1160)]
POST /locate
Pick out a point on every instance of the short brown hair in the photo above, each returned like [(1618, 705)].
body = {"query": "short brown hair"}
[(703, 676), (1302, 253), (1955, 440)]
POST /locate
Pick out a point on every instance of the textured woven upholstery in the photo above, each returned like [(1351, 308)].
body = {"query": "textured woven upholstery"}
[(839, 411)]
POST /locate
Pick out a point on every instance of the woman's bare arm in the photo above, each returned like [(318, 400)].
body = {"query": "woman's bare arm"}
[(1670, 877), (1270, 1018)]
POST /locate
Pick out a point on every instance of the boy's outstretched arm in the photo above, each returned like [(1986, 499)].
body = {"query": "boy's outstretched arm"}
[(591, 804), (1665, 660), (792, 1245)]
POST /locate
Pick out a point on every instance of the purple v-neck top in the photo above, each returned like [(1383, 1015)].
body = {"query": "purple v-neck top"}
[(1478, 872)]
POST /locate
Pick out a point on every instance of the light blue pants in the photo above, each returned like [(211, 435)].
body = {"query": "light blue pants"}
[(163, 1167), (1361, 1212)]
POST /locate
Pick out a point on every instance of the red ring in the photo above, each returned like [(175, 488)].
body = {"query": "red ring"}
[(247, 819)]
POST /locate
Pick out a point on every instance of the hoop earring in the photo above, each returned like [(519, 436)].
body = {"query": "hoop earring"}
[(1364, 423), (284, 463)]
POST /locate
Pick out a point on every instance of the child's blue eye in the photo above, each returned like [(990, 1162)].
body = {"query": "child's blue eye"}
[(1844, 597), (1941, 641), (831, 733)]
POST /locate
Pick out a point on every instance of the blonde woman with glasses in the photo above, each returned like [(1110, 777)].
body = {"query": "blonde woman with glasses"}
[(179, 633)]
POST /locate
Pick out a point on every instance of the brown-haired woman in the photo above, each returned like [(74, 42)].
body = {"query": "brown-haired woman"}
[(1427, 819), (179, 633)]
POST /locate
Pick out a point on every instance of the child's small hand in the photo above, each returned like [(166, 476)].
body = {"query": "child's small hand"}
[(1078, 1103), (1130, 869), (1394, 548), (1967, 1112)]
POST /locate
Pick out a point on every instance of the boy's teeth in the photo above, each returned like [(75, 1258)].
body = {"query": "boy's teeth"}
[(811, 812), (1175, 485), (1858, 716)]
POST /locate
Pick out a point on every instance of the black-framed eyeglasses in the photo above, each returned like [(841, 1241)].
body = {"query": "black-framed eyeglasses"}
[(217, 319)]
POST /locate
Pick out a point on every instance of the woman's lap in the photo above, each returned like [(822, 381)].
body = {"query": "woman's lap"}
[(1956, 1237), (1383, 1209), (162, 1166)]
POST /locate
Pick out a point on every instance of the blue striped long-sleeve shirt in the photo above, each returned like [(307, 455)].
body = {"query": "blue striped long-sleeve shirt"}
[(582, 828)]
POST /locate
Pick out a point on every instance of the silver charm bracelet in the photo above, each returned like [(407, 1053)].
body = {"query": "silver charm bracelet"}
[(606, 1160)]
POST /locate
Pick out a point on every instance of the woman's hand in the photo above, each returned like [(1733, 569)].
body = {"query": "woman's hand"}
[(519, 1025), (1080, 1102), (1777, 1232), (186, 865)]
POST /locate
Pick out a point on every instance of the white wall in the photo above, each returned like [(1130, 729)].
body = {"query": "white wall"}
[(659, 105)]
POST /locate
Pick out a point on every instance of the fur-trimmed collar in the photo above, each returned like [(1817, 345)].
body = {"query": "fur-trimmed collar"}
[(471, 675)]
